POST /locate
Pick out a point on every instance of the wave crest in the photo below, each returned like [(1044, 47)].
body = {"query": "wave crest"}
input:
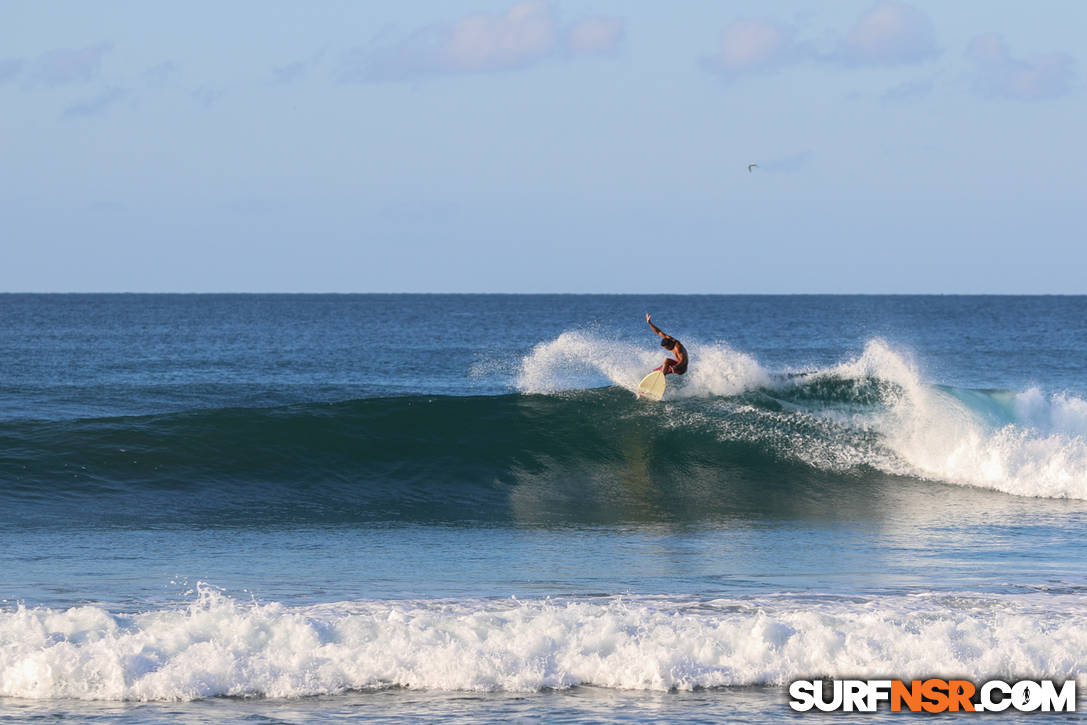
[(1024, 443)]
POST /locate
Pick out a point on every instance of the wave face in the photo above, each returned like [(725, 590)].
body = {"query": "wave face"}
[(874, 410), (729, 427), (219, 646)]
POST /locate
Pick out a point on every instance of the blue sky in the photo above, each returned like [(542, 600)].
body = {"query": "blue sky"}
[(543, 146)]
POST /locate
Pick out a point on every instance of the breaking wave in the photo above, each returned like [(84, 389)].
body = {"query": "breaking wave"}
[(873, 410)]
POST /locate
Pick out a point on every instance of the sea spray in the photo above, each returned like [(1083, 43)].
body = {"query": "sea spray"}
[(576, 359), (573, 358)]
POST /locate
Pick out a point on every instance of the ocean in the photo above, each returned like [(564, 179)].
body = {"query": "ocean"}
[(381, 508)]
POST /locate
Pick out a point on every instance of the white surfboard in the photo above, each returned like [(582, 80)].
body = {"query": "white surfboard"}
[(652, 386)]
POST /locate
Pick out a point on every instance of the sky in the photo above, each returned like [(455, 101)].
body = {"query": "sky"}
[(561, 146)]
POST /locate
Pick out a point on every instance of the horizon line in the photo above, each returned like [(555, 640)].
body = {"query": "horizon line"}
[(570, 294)]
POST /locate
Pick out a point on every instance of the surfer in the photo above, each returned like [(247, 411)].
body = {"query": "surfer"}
[(679, 364)]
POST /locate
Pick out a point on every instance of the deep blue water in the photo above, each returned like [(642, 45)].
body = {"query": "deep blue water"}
[(394, 506)]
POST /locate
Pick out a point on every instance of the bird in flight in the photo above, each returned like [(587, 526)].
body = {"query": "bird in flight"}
[(751, 166)]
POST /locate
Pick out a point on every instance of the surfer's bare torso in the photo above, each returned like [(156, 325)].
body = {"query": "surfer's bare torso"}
[(677, 365)]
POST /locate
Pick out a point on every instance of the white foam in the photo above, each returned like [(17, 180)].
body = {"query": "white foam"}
[(1059, 413), (218, 646), (936, 435), (579, 359)]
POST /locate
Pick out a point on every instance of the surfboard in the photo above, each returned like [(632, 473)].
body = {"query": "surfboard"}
[(652, 386)]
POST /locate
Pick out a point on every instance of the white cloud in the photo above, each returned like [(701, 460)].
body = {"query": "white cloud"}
[(486, 42), (751, 46), (999, 74), (595, 36), (891, 33), (526, 34)]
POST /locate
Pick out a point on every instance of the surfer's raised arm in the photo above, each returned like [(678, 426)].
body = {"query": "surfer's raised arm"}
[(655, 328)]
